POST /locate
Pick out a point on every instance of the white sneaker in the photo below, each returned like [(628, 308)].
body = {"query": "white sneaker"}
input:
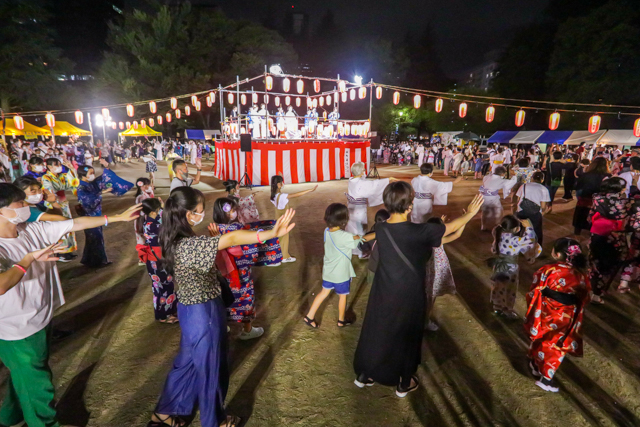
[(274, 265), (290, 259), (253, 333), (431, 326)]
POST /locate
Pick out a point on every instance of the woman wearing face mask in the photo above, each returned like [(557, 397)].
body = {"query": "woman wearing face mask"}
[(36, 168), (200, 375), (90, 193), (36, 198)]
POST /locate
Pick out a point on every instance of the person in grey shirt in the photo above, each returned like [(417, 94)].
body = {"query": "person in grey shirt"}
[(181, 170)]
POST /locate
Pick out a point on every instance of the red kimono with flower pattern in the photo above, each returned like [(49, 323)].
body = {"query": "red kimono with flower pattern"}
[(554, 328)]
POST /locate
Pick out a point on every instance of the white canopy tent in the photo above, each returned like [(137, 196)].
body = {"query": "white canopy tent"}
[(526, 137), (620, 137)]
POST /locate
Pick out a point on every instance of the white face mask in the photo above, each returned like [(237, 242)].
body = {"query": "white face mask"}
[(149, 190), (91, 177), (233, 215), (201, 215), (22, 215), (57, 169), (34, 199), (38, 168)]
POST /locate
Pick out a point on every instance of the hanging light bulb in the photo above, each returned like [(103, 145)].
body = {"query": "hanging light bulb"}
[(212, 96), (209, 102), (79, 117), (490, 113), (130, 110), (462, 110), (439, 105), (315, 103), (396, 98), (554, 121), (328, 100), (18, 122), (321, 101), (335, 98), (174, 103), (128, 125), (309, 103), (153, 107), (286, 84), (269, 82), (135, 125), (51, 121), (113, 125), (594, 123), (378, 92), (417, 100), (520, 115)]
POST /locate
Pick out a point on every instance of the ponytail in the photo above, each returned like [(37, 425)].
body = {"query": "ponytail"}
[(570, 251), (148, 206), (508, 224), (275, 180)]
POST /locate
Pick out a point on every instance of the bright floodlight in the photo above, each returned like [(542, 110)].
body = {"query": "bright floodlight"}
[(276, 69), (358, 80), (400, 113), (99, 120)]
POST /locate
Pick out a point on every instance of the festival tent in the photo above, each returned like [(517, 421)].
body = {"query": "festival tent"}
[(620, 137), (29, 132), (201, 133), (66, 129), (515, 137), (568, 137), (141, 131)]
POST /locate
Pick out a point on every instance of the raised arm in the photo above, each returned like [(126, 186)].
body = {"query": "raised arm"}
[(13, 275), (85, 222), (301, 193), (196, 180), (454, 236), (248, 237), (461, 221)]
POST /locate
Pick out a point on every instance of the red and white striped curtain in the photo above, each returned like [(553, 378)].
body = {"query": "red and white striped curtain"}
[(298, 162)]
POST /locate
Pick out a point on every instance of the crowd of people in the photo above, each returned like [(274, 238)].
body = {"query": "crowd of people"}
[(203, 282)]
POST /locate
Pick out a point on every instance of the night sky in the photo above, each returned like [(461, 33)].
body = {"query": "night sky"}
[(465, 29)]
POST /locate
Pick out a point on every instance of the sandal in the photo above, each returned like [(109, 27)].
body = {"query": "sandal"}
[(232, 421), (623, 289), (343, 323), (169, 320), (175, 421), (310, 322), (402, 393)]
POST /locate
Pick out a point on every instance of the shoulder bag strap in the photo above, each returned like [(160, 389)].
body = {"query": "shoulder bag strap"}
[(400, 254)]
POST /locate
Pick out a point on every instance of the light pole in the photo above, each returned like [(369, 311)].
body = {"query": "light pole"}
[(100, 122)]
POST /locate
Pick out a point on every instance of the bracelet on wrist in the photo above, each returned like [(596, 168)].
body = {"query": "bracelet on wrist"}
[(106, 221), (21, 268), (258, 236)]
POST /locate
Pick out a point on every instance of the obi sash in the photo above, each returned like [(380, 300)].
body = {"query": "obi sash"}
[(486, 192), (561, 297), (604, 226), (356, 202), (424, 196), (149, 253)]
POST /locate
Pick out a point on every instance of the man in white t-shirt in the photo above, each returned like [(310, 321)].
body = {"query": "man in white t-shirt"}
[(181, 171), (537, 193), (631, 177), (30, 291)]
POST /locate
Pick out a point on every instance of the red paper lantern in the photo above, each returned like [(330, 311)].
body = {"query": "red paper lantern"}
[(168, 117), (79, 117), (266, 99), (342, 86), (187, 110), (151, 122), (198, 106), (287, 100), (298, 101), (135, 124), (269, 82), (490, 114), (554, 121), (300, 86), (174, 103), (51, 121), (439, 105), (316, 85), (143, 123), (378, 92), (230, 98), (18, 122), (194, 100), (520, 115), (153, 107), (417, 100), (121, 125), (343, 96), (362, 92), (113, 125), (462, 110), (178, 114), (105, 114), (254, 98), (594, 123), (277, 101), (328, 100), (243, 99), (352, 94), (159, 119), (286, 84), (396, 98), (321, 101), (128, 125), (130, 110), (636, 128)]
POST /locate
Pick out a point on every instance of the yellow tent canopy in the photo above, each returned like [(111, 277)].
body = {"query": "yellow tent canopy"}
[(141, 131), (29, 132), (67, 129)]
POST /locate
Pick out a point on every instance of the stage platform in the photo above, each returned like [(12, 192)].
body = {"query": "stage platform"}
[(298, 160)]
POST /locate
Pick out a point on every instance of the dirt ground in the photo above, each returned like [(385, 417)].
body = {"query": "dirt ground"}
[(110, 370)]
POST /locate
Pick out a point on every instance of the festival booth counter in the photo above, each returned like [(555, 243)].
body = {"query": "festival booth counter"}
[(298, 161)]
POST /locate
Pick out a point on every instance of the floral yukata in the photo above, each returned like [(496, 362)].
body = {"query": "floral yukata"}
[(247, 209), (58, 184), (632, 267), (554, 326), (164, 297), (439, 279)]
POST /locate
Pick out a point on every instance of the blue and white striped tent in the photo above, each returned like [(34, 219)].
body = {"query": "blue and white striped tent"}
[(620, 137), (569, 137), (515, 137), (201, 133)]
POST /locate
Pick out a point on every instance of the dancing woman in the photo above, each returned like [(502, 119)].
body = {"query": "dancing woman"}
[(200, 375), (587, 185), (556, 303)]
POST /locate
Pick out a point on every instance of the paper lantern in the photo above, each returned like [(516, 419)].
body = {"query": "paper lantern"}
[(462, 110), (315, 103), (342, 86), (194, 100), (316, 85), (286, 84), (594, 123), (287, 100), (178, 115), (18, 122), (198, 106), (51, 121), (79, 117), (128, 125), (417, 100), (151, 122), (309, 103), (209, 102), (335, 98), (277, 101), (362, 93), (320, 129), (230, 98), (321, 101), (269, 82), (153, 107), (168, 117), (554, 121), (243, 129), (113, 125), (266, 99), (121, 125), (439, 105), (520, 115), (159, 120), (324, 115), (135, 124), (636, 128), (174, 103), (328, 100), (105, 114), (354, 130), (343, 95), (130, 110), (347, 129), (243, 99), (143, 123), (378, 92), (212, 96), (396, 98), (254, 98), (187, 110), (490, 113), (367, 127), (340, 128), (300, 86), (352, 94), (298, 101)]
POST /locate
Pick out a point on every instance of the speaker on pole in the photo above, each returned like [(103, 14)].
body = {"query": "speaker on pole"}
[(245, 142), (375, 142)]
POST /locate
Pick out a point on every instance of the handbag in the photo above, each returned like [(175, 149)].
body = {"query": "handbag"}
[(527, 207)]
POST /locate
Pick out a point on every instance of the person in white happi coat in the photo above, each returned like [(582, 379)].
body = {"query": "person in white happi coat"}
[(496, 160), (447, 155), (420, 153), (254, 121), (157, 146), (292, 120), (193, 151), (262, 120), (492, 211), (362, 192), (429, 192)]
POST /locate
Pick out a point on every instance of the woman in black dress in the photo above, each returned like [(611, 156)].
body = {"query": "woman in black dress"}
[(588, 184), (388, 351)]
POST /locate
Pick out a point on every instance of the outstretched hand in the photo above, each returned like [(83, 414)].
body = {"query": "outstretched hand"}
[(213, 229), (475, 204), (129, 215), (283, 225), (48, 253)]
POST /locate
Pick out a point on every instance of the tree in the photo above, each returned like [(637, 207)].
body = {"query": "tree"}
[(425, 71), (30, 65)]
